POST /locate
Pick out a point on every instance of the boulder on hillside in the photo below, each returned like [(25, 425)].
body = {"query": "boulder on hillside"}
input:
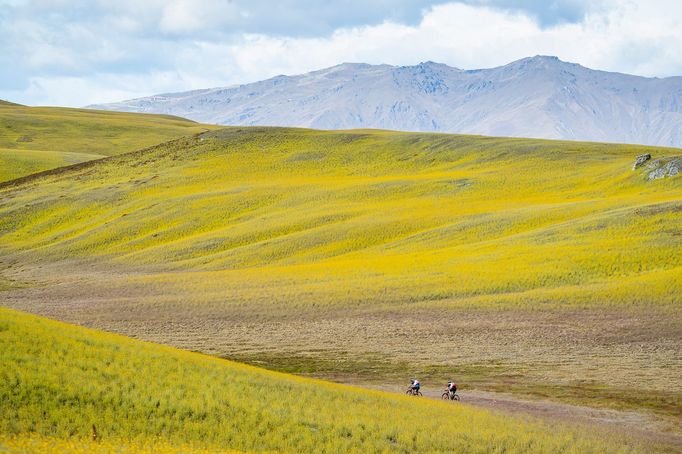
[(662, 168), (641, 159)]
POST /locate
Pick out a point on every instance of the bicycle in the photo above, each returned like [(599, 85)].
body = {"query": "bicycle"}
[(413, 392), (446, 396)]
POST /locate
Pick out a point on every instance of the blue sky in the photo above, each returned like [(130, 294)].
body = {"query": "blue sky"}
[(70, 52)]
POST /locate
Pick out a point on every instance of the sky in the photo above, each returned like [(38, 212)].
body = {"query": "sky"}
[(80, 52)]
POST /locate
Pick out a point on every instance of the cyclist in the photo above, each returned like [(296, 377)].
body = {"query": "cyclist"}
[(415, 385), (452, 388)]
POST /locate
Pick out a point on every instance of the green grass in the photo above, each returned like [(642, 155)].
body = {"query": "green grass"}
[(34, 139), (58, 380), (19, 163)]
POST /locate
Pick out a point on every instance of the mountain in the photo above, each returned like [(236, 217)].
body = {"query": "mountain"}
[(541, 97)]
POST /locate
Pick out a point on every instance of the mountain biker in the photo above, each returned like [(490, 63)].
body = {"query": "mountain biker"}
[(415, 384), (452, 388)]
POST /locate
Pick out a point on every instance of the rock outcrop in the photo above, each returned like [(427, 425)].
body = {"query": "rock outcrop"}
[(641, 159), (662, 168)]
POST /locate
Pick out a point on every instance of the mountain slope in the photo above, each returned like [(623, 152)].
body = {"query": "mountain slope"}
[(539, 97), (59, 380), (369, 253), (34, 139), (7, 103)]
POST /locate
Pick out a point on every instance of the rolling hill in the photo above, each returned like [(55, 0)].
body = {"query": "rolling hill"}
[(542, 268), (59, 380), (540, 96), (34, 139), (7, 103)]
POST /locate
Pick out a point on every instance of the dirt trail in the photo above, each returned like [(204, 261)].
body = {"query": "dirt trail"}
[(639, 426)]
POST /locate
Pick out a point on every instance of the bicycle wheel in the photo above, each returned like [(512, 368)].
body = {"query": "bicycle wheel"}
[(408, 392), (456, 397), (445, 396), (419, 393)]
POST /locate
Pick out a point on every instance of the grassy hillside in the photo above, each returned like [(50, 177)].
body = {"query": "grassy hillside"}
[(403, 218), (538, 267), (58, 380), (33, 139), (7, 103)]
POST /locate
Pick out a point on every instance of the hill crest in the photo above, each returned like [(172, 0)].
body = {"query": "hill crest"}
[(8, 103)]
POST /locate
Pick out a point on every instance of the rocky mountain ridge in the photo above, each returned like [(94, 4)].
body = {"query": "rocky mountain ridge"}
[(540, 97)]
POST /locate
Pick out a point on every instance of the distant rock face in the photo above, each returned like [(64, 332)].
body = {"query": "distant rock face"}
[(674, 167), (541, 97), (641, 159), (662, 168), (658, 173)]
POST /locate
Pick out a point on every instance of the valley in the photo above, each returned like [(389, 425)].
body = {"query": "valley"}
[(245, 226), (549, 270), (71, 389)]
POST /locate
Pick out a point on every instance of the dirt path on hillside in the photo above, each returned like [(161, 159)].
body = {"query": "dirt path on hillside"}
[(636, 425)]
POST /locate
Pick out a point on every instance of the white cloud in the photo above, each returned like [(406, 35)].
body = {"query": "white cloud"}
[(186, 16), (80, 91), (119, 57), (634, 38)]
